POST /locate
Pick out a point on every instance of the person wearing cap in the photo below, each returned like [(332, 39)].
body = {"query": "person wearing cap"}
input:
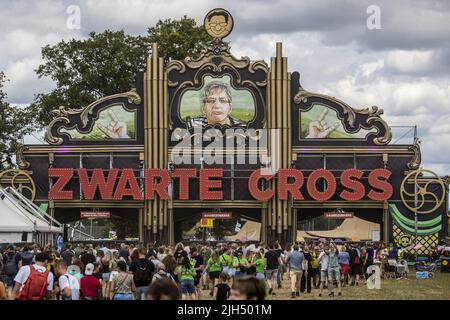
[(90, 286), (75, 270), (68, 286)]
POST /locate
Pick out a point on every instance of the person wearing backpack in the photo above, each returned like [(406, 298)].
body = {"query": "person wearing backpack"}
[(355, 264), (142, 270), (11, 266), (68, 254), (161, 274), (34, 282), (27, 256), (69, 287)]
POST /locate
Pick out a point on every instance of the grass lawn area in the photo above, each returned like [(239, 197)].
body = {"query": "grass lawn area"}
[(437, 288)]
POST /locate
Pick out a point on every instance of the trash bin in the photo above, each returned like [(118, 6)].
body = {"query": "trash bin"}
[(445, 264)]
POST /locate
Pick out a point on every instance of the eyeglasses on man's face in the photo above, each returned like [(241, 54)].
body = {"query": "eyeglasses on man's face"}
[(221, 100)]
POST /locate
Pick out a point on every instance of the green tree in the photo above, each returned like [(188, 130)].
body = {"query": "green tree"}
[(223, 228), (106, 63), (178, 39), (14, 122), (125, 226)]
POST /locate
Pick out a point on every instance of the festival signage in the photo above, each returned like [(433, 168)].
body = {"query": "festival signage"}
[(156, 181), (206, 223), (338, 215), (95, 214), (217, 215)]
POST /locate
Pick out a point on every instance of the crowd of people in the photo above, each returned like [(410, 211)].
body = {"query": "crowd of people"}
[(189, 272)]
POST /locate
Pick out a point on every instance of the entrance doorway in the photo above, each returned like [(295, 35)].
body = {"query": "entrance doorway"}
[(361, 225), (243, 225), (123, 224)]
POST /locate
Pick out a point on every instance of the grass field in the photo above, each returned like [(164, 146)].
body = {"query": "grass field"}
[(437, 288)]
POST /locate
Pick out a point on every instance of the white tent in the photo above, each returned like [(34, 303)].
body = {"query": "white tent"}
[(351, 228), (21, 220), (251, 231)]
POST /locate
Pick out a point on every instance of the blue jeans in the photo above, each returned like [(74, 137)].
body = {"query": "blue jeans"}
[(260, 276), (240, 274), (279, 273), (140, 292), (187, 286), (9, 281), (123, 296)]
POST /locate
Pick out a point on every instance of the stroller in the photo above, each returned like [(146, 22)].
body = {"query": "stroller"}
[(394, 270), (390, 269)]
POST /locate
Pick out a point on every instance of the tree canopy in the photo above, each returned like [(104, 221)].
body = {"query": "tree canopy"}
[(14, 123)]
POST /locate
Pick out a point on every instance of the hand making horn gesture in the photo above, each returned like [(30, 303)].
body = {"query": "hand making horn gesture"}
[(319, 129), (115, 129)]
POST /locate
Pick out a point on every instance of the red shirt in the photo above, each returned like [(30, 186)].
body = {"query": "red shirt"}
[(89, 286)]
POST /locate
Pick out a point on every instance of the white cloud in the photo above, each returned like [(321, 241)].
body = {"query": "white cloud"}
[(23, 82), (412, 61)]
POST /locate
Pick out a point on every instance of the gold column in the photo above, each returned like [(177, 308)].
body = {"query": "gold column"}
[(155, 127), (279, 122)]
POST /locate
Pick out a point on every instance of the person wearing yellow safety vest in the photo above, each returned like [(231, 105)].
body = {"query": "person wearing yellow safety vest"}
[(259, 263), (226, 258), (214, 267), (187, 273), (315, 266), (240, 263)]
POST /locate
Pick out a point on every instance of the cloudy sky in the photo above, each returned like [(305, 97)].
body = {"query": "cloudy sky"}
[(403, 67)]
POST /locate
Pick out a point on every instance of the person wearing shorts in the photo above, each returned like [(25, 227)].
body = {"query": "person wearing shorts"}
[(273, 260), (240, 264), (260, 265), (214, 267), (334, 274), (344, 262), (187, 272)]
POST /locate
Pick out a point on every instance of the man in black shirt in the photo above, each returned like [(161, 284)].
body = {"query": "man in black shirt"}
[(124, 253), (281, 266), (199, 264), (87, 258), (273, 261), (68, 254), (143, 270)]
